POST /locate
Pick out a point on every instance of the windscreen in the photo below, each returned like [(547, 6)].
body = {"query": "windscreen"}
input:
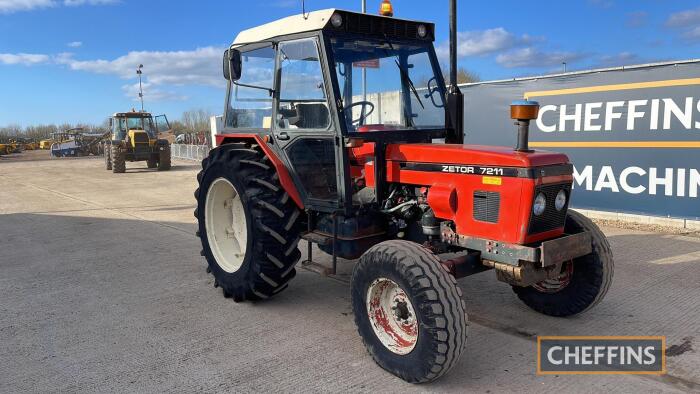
[(401, 87)]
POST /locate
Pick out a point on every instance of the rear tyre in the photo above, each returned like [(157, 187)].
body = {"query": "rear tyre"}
[(409, 311), (118, 159), (108, 160), (248, 225), (164, 158), (152, 163), (584, 281)]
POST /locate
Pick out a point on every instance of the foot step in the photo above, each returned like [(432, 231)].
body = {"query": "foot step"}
[(317, 268), (317, 238)]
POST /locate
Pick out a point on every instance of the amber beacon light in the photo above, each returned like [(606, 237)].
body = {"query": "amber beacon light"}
[(386, 9)]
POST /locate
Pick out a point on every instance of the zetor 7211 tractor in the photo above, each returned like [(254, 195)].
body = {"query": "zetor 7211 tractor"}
[(134, 137), (307, 153)]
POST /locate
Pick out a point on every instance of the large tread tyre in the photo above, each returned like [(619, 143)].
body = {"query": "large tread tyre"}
[(588, 281), (118, 159), (151, 163), (272, 223), (108, 160), (439, 334), (164, 163)]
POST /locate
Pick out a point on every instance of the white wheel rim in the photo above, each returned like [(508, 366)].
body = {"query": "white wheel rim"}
[(226, 225), (392, 316)]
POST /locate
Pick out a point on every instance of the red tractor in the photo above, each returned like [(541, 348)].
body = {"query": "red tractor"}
[(339, 130)]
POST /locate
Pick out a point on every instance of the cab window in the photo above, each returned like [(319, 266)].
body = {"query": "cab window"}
[(302, 92), (251, 106)]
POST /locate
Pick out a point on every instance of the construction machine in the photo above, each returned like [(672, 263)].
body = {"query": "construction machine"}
[(339, 130), (134, 137)]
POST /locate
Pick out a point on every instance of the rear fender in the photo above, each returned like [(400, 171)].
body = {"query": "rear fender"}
[(285, 178)]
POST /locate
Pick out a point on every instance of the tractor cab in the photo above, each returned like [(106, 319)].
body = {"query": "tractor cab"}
[(308, 81)]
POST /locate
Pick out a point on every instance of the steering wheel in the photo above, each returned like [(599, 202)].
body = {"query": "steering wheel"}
[(363, 117)]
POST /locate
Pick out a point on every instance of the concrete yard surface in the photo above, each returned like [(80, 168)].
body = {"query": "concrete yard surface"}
[(102, 289)]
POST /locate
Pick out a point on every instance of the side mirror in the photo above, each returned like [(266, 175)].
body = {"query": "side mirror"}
[(232, 64)]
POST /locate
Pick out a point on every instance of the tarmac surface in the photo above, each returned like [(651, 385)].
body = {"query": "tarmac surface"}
[(102, 289)]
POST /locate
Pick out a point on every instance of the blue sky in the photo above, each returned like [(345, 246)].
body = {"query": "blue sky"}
[(75, 60)]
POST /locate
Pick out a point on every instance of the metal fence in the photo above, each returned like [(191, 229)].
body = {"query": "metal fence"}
[(189, 152)]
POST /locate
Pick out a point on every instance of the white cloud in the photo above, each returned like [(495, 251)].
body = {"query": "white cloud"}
[(10, 6), (26, 59), (534, 58), (693, 34), (201, 66), (684, 18), (151, 93), (483, 42), (75, 44)]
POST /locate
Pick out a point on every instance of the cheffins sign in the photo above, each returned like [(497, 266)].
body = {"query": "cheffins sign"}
[(633, 135)]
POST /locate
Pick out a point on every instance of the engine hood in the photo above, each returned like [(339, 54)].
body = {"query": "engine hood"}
[(472, 155)]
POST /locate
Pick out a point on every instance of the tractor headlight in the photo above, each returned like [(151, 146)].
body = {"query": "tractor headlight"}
[(539, 205), (337, 20), (560, 201), (422, 31)]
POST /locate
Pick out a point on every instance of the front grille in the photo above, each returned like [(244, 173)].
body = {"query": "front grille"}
[(140, 138), (487, 206), (550, 219)]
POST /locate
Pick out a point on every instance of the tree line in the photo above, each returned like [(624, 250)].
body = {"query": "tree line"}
[(194, 121)]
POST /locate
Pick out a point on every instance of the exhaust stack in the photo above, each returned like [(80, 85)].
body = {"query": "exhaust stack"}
[(455, 99), (523, 111)]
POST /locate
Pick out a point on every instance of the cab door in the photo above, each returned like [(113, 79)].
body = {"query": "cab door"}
[(303, 123)]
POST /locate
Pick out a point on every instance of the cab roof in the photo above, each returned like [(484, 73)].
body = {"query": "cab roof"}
[(131, 115), (318, 20)]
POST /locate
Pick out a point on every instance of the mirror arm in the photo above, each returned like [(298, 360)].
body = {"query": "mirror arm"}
[(270, 91)]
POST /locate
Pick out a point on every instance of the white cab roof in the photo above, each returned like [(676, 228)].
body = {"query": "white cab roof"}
[(315, 20)]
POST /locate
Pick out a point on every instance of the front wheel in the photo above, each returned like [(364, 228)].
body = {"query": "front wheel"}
[(409, 311), (583, 282)]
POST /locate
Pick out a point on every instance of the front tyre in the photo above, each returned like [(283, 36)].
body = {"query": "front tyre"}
[(118, 159), (248, 225), (583, 282), (409, 311)]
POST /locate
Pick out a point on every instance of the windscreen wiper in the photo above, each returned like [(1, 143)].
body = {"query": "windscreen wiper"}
[(408, 80)]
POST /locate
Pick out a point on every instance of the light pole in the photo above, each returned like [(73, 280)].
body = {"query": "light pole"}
[(139, 72), (564, 64)]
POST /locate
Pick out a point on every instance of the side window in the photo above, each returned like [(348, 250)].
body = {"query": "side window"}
[(252, 106), (302, 101)]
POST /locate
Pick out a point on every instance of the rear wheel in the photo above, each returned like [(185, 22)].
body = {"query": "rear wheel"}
[(164, 158), (248, 225), (408, 310), (583, 282), (152, 163), (118, 159)]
